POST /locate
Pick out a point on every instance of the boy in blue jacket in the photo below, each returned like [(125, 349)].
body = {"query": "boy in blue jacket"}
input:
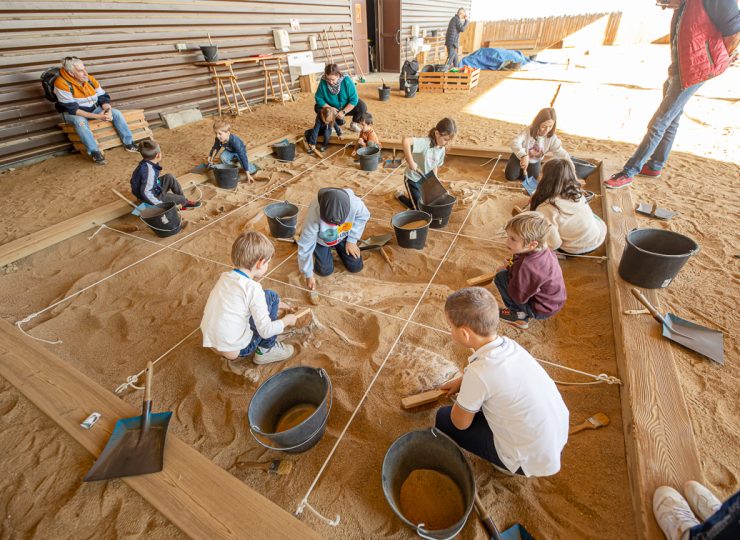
[(335, 220), (149, 187), (233, 147)]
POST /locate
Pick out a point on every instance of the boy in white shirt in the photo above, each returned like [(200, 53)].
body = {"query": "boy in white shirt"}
[(508, 409), (240, 317)]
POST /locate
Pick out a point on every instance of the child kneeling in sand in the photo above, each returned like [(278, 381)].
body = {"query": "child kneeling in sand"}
[(149, 187), (234, 149), (240, 317), (531, 285), (508, 410), (367, 138)]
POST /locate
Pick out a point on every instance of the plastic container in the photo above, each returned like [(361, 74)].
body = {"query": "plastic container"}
[(163, 219), (369, 158), (282, 219), (427, 449), (653, 257), (227, 176), (583, 167), (410, 90), (411, 238), (281, 392), (284, 151), (384, 93), (440, 210), (210, 52)]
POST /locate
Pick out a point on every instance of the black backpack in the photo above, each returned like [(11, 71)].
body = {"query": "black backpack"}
[(47, 82), (409, 73)]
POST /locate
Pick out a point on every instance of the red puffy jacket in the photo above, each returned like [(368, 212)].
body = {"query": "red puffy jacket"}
[(701, 51)]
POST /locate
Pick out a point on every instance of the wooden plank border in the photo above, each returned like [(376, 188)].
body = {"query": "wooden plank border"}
[(658, 436), (196, 495)]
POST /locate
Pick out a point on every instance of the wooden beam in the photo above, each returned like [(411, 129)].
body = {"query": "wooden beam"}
[(200, 498), (660, 444), (27, 245), (462, 150)]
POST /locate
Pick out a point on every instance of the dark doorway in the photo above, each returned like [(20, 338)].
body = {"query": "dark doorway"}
[(389, 35)]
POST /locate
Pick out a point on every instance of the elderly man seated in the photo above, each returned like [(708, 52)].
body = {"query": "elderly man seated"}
[(80, 99)]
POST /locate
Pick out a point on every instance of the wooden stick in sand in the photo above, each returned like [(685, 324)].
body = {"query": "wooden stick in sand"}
[(480, 280), (123, 197), (418, 400), (302, 313)]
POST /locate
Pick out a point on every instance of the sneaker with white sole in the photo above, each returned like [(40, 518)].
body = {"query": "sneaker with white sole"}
[(514, 318), (618, 181), (701, 500), (354, 126), (277, 353), (673, 513)]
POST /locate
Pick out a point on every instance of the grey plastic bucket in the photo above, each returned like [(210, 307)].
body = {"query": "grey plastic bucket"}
[(384, 93), (227, 176), (427, 449), (410, 90), (369, 158), (284, 151), (282, 218), (210, 52), (277, 395), (440, 210), (163, 219), (583, 167), (411, 238), (653, 257)]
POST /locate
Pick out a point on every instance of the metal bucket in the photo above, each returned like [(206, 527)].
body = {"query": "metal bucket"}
[(427, 449), (282, 218), (281, 392), (163, 219), (653, 257), (384, 93)]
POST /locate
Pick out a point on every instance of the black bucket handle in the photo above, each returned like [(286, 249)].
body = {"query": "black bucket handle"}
[(254, 429), (287, 226), (163, 230)]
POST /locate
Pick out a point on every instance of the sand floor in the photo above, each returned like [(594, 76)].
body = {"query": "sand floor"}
[(111, 330)]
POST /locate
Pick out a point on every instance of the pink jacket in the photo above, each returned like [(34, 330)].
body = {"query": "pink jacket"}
[(701, 51)]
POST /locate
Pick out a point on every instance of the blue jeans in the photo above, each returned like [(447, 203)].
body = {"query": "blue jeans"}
[(324, 262), (724, 524), (273, 300), (502, 284), (82, 127), (230, 158), (477, 439), (658, 141)]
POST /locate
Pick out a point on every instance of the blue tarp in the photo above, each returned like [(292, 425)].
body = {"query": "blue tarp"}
[(494, 59)]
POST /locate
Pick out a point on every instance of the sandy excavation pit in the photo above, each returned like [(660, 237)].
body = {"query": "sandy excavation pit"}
[(142, 313)]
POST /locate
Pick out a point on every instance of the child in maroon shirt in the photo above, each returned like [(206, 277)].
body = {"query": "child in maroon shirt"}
[(532, 283)]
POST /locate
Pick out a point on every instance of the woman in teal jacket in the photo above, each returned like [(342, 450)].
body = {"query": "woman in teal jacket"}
[(338, 91)]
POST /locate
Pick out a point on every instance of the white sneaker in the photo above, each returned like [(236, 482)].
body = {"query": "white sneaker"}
[(276, 353), (701, 500), (354, 126), (672, 513)]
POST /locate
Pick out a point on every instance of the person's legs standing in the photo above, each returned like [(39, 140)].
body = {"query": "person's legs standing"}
[(119, 122), (323, 260), (351, 263), (313, 136), (82, 127), (452, 60), (513, 169)]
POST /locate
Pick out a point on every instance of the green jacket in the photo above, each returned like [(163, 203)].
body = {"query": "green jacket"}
[(347, 94)]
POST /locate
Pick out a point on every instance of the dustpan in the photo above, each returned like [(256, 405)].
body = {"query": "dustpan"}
[(530, 184), (516, 532)]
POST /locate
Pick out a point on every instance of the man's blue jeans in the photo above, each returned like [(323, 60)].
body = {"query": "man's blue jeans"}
[(230, 158), (273, 301), (82, 127), (656, 145)]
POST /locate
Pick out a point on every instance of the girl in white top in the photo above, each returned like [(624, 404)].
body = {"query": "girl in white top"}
[(531, 145), (559, 198)]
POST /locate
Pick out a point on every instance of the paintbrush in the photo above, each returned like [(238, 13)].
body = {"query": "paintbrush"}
[(592, 422), (280, 467)]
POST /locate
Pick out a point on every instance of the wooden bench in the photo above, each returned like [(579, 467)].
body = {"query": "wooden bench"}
[(106, 135), (514, 44)]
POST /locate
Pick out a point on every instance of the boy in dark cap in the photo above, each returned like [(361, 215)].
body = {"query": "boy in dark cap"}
[(335, 220)]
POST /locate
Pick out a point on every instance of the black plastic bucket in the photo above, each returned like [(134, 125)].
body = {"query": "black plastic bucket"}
[(384, 93), (282, 218), (410, 90), (280, 393), (441, 210), (411, 238), (427, 449), (227, 176), (284, 151), (653, 257), (369, 158), (163, 219), (210, 52), (583, 167)]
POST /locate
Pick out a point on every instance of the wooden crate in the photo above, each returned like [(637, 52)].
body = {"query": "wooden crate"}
[(448, 82), (309, 83), (105, 133)]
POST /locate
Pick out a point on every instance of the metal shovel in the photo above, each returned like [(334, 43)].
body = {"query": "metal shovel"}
[(375, 242), (701, 339), (136, 445)]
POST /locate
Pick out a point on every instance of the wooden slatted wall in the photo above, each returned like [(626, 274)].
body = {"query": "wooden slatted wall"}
[(429, 15), (130, 48)]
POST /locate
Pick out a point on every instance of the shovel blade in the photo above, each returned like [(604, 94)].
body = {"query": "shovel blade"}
[(705, 341), (129, 451), (374, 242), (516, 532)]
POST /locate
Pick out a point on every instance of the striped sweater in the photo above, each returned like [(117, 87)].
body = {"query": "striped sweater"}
[(74, 95)]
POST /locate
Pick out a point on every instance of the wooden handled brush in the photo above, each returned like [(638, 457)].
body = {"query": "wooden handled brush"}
[(417, 400), (592, 422)]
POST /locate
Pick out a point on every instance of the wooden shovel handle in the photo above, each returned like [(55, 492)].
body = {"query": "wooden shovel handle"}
[(488, 523), (148, 385), (119, 194), (645, 302)]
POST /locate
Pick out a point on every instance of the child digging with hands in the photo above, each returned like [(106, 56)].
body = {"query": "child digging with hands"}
[(531, 285), (508, 410), (367, 137), (241, 318), (423, 155), (232, 149)]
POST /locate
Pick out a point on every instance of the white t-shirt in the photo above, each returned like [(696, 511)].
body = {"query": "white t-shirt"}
[(225, 324), (426, 157), (521, 403)]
